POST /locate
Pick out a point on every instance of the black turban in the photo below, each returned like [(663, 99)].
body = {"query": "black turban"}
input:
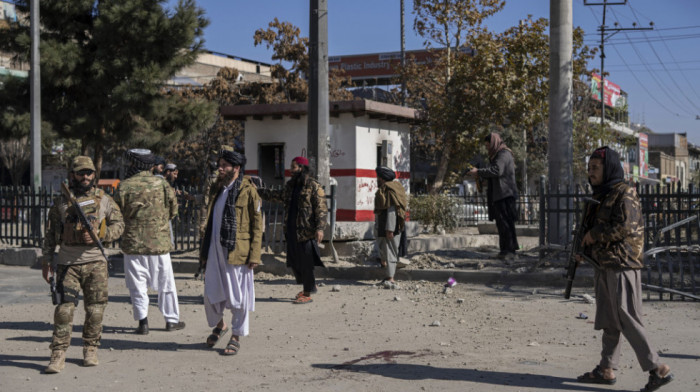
[(158, 160), (232, 157), (612, 169), (385, 173), (141, 158)]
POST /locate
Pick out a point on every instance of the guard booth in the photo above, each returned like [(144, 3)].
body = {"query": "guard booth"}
[(363, 134)]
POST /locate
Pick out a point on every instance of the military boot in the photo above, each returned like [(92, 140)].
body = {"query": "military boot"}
[(57, 363), (90, 356)]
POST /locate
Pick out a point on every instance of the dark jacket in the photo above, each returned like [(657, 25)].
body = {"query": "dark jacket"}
[(501, 178), (312, 212)]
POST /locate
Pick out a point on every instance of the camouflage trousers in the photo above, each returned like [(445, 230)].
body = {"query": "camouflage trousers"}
[(92, 279)]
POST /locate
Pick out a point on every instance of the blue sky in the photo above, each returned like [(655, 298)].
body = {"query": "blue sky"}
[(660, 69)]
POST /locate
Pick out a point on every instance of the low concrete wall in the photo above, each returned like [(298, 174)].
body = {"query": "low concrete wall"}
[(520, 230), (20, 256)]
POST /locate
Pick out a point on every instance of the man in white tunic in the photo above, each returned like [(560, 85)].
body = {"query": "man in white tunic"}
[(231, 250)]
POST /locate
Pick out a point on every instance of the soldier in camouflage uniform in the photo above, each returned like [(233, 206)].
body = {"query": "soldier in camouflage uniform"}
[(80, 264), (616, 241), (148, 203), (305, 216)]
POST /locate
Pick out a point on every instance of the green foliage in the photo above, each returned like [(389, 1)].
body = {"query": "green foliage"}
[(103, 65), (434, 211), (503, 87)]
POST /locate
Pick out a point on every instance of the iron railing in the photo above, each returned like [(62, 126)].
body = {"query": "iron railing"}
[(25, 211), (672, 261)]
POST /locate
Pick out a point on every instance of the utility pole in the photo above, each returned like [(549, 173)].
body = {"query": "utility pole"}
[(35, 96), (560, 139), (403, 56), (318, 145), (614, 30), (520, 29)]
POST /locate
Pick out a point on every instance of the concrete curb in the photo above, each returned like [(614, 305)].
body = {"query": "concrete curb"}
[(276, 265)]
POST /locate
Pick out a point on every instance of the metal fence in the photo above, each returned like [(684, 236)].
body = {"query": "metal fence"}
[(24, 215), (471, 209), (672, 254)]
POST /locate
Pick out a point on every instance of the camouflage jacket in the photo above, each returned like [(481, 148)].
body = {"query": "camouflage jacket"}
[(617, 226), (62, 228), (312, 213), (148, 204)]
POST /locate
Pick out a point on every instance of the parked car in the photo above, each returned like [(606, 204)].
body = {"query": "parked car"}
[(471, 213)]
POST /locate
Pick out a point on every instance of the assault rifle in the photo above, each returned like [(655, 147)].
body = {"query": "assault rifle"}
[(55, 295), (577, 249), (83, 218)]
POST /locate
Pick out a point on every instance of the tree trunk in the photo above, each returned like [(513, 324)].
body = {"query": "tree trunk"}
[(99, 154), (441, 172)]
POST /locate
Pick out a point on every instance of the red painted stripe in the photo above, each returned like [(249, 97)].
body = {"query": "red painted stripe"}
[(354, 215), (345, 173), (369, 173), (359, 215)]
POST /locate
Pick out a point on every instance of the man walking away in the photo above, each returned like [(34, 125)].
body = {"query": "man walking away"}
[(148, 204)]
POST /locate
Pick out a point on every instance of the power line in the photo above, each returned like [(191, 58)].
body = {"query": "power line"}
[(688, 83), (618, 41), (634, 75), (673, 80)]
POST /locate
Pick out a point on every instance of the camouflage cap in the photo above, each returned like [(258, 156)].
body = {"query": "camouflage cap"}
[(82, 162)]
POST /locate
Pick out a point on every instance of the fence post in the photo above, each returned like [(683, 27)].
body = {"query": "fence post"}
[(542, 215), (333, 211)]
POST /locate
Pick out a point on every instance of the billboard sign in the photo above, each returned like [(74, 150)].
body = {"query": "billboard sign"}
[(613, 97), (643, 155), (382, 65)]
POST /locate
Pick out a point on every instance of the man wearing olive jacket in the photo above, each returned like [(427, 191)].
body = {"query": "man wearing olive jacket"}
[(230, 250)]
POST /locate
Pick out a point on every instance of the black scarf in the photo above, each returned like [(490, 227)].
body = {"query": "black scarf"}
[(612, 171), (228, 221)]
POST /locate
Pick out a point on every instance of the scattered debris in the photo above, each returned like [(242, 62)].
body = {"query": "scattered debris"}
[(435, 323), (588, 299), (460, 300), (335, 288), (582, 316), (533, 344)]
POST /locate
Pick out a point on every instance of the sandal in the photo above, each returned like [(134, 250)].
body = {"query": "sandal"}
[(215, 335), (304, 299), (595, 377), (301, 293), (656, 381), (232, 347)]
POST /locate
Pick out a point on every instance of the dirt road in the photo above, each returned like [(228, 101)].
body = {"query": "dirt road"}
[(358, 338)]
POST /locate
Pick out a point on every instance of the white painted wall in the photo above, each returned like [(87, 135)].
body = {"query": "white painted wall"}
[(353, 143)]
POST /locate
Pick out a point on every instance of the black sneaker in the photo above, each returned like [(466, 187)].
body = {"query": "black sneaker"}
[(143, 327), (175, 326)]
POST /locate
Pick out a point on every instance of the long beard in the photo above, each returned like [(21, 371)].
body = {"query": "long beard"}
[(79, 188), (225, 179)]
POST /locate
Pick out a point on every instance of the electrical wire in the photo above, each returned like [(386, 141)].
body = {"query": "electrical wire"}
[(673, 80), (634, 75), (666, 90), (688, 83)]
